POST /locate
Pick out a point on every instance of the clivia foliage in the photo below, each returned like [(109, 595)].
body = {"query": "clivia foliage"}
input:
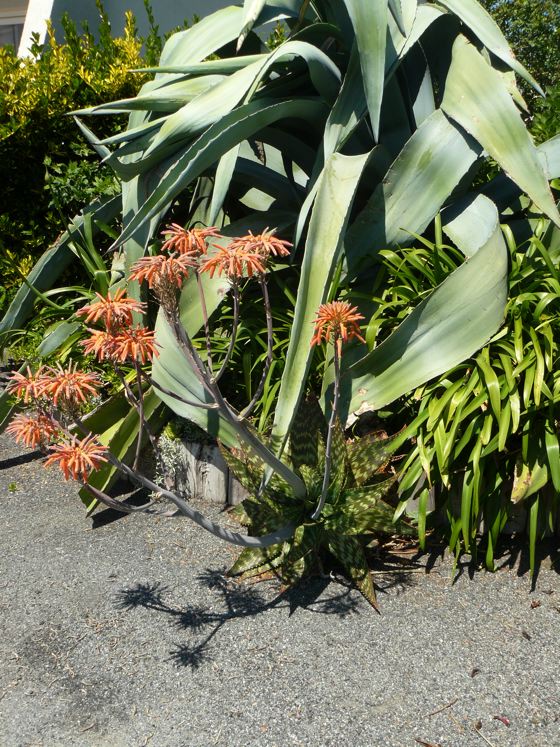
[(485, 432)]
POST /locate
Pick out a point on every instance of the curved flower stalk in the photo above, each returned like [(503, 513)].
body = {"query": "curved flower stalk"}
[(339, 321)]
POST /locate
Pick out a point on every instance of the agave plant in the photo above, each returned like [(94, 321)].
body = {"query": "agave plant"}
[(354, 133), (363, 129)]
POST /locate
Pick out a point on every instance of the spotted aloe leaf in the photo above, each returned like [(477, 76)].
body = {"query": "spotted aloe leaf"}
[(349, 552), (259, 516), (369, 454), (244, 467), (339, 463), (254, 558), (309, 424), (301, 557)]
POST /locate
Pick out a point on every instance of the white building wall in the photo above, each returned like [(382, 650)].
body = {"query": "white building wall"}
[(168, 14)]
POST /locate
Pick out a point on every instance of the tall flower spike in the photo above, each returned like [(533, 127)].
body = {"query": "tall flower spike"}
[(136, 344), (71, 387), (160, 270), (33, 431), (234, 261), (29, 386), (338, 320), (265, 244), (113, 311), (77, 459), (190, 241)]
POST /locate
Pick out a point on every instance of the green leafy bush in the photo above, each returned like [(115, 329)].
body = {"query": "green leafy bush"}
[(546, 121), (47, 173)]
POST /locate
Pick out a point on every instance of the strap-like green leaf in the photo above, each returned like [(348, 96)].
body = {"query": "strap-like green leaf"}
[(308, 426), (214, 143), (255, 558), (416, 186), (368, 454), (478, 20)]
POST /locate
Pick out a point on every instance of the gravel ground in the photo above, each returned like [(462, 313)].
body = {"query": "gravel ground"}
[(126, 633)]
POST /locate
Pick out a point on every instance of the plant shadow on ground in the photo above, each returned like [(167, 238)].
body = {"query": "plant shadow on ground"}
[(17, 461), (241, 601)]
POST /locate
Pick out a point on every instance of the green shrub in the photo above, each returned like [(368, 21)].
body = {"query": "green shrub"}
[(546, 122), (48, 174)]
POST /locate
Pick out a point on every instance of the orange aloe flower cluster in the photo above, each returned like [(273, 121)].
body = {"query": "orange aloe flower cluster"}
[(246, 255), (184, 249), (234, 260), (338, 320), (188, 241), (265, 244), (33, 432), (77, 459), (65, 387), (120, 340), (28, 386), (70, 386), (112, 311), (160, 270)]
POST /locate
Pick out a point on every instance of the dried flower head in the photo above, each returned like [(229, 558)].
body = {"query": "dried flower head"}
[(162, 271), (69, 386), (235, 261), (190, 241), (77, 459), (135, 344), (265, 244), (29, 386), (114, 311), (338, 320), (33, 431), (100, 343)]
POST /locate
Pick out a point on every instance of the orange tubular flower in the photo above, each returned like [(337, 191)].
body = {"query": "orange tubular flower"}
[(113, 312), (190, 241), (161, 269), (70, 385), (235, 260), (339, 320), (32, 432), (99, 343), (77, 459), (30, 386), (134, 344), (264, 244)]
